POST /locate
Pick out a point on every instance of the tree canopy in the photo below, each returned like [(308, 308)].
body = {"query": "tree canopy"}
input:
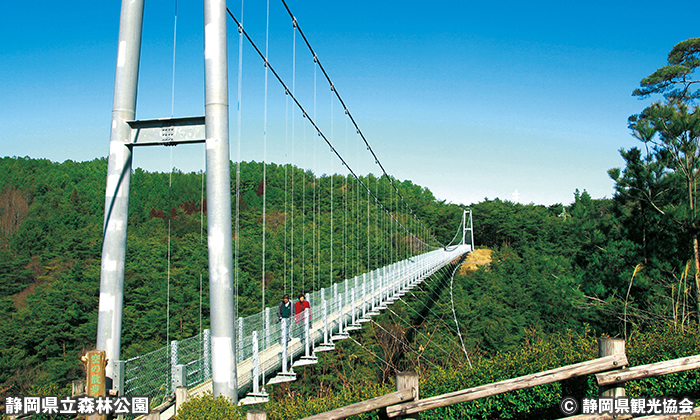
[(675, 80), (665, 179)]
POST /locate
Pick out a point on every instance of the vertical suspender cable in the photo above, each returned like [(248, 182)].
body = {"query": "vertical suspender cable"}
[(291, 279), (394, 253), (172, 105), (201, 241), (303, 212), (170, 216), (374, 221), (238, 167), (201, 205), (170, 181), (167, 318), (368, 231), (389, 223), (286, 176), (379, 228), (331, 175), (345, 224), (316, 247), (358, 245), (394, 227), (383, 224), (264, 163)]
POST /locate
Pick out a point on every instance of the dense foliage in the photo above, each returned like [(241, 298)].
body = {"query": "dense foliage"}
[(50, 245)]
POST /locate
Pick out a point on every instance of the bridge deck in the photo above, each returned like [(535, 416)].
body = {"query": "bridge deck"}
[(344, 303)]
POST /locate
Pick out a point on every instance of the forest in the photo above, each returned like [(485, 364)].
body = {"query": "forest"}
[(626, 266), (51, 246)]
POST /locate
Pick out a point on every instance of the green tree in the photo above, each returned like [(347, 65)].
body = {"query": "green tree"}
[(671, 129), (675, 80)]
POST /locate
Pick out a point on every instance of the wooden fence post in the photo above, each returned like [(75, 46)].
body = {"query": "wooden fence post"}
[(608, 346), (153, 415), (181, 397), (408, 380), (256, 414)]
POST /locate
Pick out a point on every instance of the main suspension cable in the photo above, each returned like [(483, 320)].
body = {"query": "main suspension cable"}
[(312, 122), (347, 112)]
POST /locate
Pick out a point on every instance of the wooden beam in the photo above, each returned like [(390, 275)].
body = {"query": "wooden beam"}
[(365, 406), (584, 368), (650, 370)]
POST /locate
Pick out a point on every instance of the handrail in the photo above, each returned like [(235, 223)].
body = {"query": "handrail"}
[(365, 406), (540, 378), (646, 371)]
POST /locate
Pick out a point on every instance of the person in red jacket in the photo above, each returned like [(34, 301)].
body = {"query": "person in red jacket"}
[(299, 307)]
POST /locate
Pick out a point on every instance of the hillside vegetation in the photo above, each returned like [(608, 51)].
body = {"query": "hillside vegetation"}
[(573, 272), (51, 217)]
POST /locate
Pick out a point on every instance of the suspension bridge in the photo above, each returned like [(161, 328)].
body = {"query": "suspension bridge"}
[(238, 356)]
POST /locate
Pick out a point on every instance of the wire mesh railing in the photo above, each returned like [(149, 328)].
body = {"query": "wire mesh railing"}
[(260, 348), (149, 375)]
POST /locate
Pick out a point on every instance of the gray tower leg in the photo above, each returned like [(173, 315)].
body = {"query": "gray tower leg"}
[(223, 336), (109, 324)]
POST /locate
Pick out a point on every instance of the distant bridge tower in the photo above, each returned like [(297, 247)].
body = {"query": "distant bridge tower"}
[(468, 230), (126, 133)]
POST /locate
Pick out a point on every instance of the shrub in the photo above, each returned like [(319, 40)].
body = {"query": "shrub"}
[(207, 407), (658, 346)]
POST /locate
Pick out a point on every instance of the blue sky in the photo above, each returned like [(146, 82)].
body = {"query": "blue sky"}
[(516, 100)]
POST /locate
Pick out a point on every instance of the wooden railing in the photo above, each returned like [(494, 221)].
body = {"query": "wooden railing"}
[(406, 390), (649, 371), (609, 369), (523, 382)]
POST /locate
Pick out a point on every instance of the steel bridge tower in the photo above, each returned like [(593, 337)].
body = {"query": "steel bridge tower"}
[(468, 229), (127, 133)]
